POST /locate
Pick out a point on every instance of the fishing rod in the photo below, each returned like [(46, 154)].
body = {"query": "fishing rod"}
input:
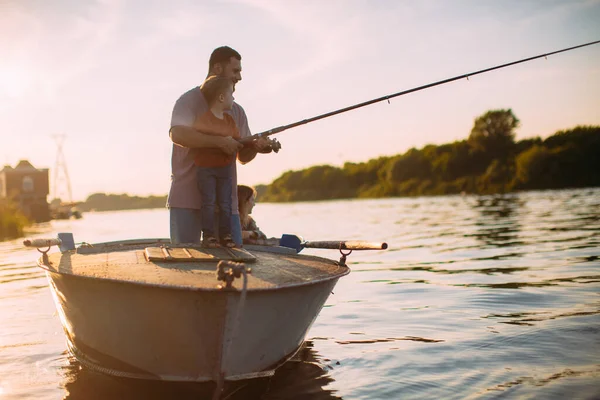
[(391, 96)]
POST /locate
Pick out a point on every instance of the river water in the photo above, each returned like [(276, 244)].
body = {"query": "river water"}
[(476, 297)]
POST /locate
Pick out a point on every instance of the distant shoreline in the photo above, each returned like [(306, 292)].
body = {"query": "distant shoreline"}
[(13, 224), (361, 198), (485, 163), (117, 202), (489, 161)]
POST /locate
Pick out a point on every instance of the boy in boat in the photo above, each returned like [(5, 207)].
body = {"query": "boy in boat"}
[(213, 166), (251, 234), (246, 202)]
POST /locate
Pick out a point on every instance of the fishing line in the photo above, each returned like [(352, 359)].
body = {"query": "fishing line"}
[(416, 89)]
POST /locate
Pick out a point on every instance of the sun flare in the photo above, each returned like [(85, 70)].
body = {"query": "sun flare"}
[(14, 82)]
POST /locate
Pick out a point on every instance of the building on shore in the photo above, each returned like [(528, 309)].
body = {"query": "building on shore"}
[(28, 187)]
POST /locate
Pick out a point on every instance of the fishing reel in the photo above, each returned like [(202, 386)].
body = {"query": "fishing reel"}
[(249, 142), (275, 145)]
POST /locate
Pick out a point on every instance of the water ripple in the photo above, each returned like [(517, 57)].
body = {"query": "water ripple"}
[(477, 296)]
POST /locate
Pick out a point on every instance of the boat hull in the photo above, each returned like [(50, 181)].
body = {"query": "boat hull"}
[(181, 334)]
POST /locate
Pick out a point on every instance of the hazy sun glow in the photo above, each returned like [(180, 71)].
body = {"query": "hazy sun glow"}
[(14, 82)]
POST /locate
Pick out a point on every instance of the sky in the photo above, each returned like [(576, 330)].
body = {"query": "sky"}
[(107, 73)]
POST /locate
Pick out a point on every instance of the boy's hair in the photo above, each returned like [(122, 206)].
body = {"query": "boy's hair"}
[(222, 55), (245, 193), (214, 86)]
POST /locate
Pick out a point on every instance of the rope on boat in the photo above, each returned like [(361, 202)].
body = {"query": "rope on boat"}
[(227, 271)]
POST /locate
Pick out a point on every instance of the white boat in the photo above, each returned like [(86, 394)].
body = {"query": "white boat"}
[(151, 310)]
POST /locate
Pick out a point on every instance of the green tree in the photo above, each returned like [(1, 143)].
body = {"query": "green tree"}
[(453, 160), (412, 164), (533, 168), (496, 178), (12, 220), (107, 202), (489, 161), (493, 134), (526, 144), (577, 152), (363, 176)]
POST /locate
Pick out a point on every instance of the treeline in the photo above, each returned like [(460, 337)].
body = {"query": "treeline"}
[(488, 161), (12, 220), (109, 202)]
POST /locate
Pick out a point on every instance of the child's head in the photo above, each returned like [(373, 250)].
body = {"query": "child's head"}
[(246, 196), (218, 91)]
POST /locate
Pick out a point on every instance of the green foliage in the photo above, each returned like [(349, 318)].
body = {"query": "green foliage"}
[(307, 184), (108, 202), (492, 138), (565, 159), (532, 167), (526, 144), (489, 161), (365, 175), (12, 221), (452, 161), (576, 156), (414, 164), (496, 177), (260, 190), (493, 133)]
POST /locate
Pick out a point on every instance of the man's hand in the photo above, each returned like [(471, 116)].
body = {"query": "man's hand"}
[(229, 145), (266, 145), (262, 144), (258, 145)]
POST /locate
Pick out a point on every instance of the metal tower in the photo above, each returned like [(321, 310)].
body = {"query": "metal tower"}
[(61, 175)]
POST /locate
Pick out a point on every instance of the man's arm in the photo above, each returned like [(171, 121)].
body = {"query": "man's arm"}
[(186, 136), (182, 132)]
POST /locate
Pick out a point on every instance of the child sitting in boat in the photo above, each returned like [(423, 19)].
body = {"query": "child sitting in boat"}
[(214, 170), (246, 201)]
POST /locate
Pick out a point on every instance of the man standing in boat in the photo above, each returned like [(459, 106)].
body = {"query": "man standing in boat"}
[(184, 199)]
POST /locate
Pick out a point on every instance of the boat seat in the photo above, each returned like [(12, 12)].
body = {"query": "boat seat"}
[(188, 254)]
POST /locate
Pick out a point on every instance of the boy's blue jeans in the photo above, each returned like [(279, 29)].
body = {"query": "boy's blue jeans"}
[(215, 185)]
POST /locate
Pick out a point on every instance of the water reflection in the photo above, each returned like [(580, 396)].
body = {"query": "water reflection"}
[(538, 382), (530, 318), (301, 378), (498, 224)]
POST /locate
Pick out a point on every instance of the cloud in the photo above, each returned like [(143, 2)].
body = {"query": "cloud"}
[(186, 23), (331, 37)]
